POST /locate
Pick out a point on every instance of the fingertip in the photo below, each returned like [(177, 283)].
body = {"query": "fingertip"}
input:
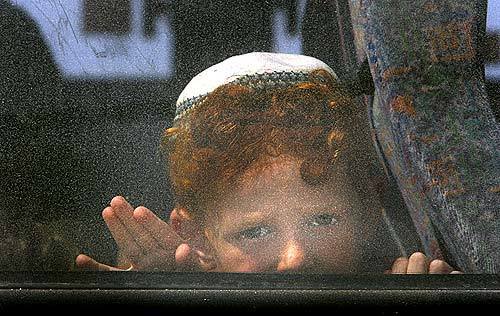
[(401, 259), (180, 213), (108, 213), (418, 256), (175, 220), (399, 266), (117, 201), (141, 213), (174, 215), (418, 264), (182, 253), (456, 272), (435, 264), (82, 260), (439, 266)]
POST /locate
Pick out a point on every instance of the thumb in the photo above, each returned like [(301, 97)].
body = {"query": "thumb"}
[(86, 263), (191, 259), (185, 258)]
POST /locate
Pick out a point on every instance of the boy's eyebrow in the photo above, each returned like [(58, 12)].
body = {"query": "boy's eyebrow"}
[(261, 213)]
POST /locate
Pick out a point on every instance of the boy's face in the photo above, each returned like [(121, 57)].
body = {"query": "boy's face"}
[(274, 222)]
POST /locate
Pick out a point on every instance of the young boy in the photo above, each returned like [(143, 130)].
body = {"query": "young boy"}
[(269, 160)]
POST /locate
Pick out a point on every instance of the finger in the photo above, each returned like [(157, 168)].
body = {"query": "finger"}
[(439, 267), (182, 254), (176, 219), (399, 266), (417, 264), (148, 242), (205, 262), (190, 259), (181, 214), (126, 243), (456, 272), (163, 233), (186, 259), (125, 213), (84, 262), (183, 223)]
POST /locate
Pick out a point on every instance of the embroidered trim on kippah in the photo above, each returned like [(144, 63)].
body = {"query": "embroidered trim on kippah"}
[(262, 81)]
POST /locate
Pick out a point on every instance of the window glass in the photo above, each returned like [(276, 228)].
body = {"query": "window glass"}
[(113, 159)]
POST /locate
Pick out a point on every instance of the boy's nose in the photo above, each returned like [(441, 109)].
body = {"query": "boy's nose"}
[(292, 258)]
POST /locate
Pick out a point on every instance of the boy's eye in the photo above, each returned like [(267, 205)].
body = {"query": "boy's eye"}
[(323, 220), (254, 232)]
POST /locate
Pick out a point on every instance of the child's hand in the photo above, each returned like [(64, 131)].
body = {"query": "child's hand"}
[(145, 242), (418, 263)]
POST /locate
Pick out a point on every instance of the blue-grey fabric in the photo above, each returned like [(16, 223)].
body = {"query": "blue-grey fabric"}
[(435, 126)]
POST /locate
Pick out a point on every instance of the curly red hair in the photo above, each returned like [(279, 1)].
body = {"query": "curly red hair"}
[(237, 127)]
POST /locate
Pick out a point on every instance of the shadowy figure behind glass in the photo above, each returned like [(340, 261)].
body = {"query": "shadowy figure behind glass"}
[(33, 166)]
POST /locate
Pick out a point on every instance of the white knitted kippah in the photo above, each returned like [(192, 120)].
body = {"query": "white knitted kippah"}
[(258, 70)]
